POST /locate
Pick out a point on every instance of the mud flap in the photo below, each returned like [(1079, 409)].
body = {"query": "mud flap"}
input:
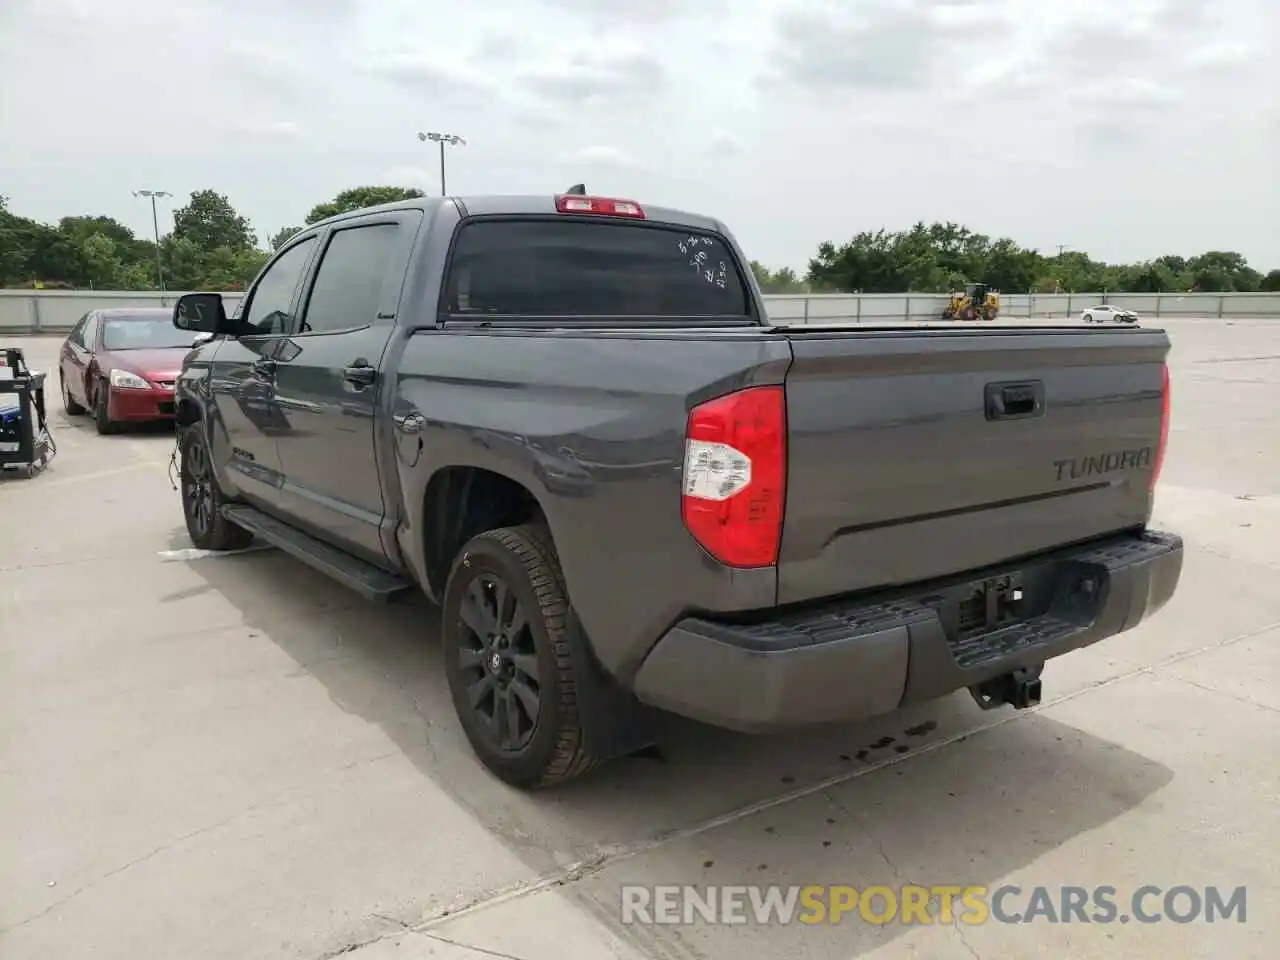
[(614, 722)]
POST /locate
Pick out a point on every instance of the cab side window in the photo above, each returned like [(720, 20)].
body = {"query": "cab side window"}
[(89, 335), (349, 282), (269, 310)]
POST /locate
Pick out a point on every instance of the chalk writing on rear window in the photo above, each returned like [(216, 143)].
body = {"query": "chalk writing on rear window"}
[(699, 249), (575, 268)]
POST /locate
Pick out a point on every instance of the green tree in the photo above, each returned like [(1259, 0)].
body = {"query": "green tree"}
[(209, 221), (13, 246), (1010, 267), (280, 236), (103, 264), (865, 263), (227, 269), (357, 198), (183, 263), (945, 256), (52, 257), (80, 229), (33, 251), (1271, 282), (139, 275), (1153, 277), (1222, 271), (780, 281)]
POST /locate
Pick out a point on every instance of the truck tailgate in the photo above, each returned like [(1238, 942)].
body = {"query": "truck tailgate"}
[(916, 454)]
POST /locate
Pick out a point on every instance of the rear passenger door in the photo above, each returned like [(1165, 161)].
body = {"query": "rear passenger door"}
[(328, 381)]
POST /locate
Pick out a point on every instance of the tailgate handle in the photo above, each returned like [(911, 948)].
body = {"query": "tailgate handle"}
[(1015, 401)]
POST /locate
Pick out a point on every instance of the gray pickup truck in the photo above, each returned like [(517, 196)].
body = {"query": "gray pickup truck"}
[(570, 422)]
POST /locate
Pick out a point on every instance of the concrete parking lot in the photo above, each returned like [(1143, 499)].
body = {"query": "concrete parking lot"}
[(231, 757)]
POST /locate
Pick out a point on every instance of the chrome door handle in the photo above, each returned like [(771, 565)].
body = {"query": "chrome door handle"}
[(411, 423), (359, 374)]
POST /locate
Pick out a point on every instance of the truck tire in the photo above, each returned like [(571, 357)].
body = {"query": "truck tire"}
[(508, 658), (202, 498)]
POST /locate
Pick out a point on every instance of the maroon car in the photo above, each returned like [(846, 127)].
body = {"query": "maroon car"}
[(121, 365)]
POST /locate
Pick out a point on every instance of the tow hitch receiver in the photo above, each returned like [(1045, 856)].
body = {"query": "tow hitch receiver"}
[(1019, 689)]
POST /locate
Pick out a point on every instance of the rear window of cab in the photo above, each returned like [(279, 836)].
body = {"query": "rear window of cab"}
[(581, 268)]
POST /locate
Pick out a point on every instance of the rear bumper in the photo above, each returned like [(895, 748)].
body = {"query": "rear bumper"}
[(128, 404), (856, 658)]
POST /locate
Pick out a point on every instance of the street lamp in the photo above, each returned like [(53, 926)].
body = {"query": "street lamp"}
[(442, 139), (153, 195)]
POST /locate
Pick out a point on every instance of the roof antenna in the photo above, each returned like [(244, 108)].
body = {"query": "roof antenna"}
[(577, 190)]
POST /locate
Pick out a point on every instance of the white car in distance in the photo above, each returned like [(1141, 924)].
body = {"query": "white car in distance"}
[(1106, 312)]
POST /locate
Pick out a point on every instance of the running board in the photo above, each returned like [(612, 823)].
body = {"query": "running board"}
[(369, 581)]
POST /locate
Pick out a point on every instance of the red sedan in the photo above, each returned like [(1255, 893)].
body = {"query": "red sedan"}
[(121, 365)]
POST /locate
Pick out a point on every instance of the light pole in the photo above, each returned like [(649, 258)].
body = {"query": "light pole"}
[(442, 139), (152, 195)]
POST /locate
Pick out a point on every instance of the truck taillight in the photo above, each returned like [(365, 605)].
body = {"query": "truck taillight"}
[(735, 476), (1164, 426)]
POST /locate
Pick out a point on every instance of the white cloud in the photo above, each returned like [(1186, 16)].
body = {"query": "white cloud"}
[(643, 12), (602, 155), (597, 77), (418, 177), (1224, 54), (1124, 129), (430, 75), (283, 129), (725, 143), (882, 45)]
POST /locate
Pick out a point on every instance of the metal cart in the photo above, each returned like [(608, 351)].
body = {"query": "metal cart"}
[(25, 441)]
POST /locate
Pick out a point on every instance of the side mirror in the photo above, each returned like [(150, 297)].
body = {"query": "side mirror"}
[(201, 313), (201, 338)]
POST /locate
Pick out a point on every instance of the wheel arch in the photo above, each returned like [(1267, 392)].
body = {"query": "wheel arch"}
[(461, 501), (187, 412)]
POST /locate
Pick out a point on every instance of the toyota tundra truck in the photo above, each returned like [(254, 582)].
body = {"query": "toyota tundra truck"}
[(570, 422)]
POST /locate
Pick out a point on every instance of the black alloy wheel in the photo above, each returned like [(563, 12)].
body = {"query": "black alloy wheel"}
[(202, 499), (498, 661), (197, 490), (510, 658)]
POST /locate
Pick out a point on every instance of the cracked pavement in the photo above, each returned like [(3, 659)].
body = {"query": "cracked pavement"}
[(232, 758)]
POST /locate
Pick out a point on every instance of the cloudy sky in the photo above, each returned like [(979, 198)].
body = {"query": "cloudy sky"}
[(1127, 128)]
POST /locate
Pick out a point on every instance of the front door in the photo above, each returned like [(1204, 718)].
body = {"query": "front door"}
[(247, 420), (327, 382)]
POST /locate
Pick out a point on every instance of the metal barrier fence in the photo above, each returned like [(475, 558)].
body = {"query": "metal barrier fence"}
[(886, 307), (56, 311)]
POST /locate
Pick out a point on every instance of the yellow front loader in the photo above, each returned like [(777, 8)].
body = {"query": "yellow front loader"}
[(976, 302)]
